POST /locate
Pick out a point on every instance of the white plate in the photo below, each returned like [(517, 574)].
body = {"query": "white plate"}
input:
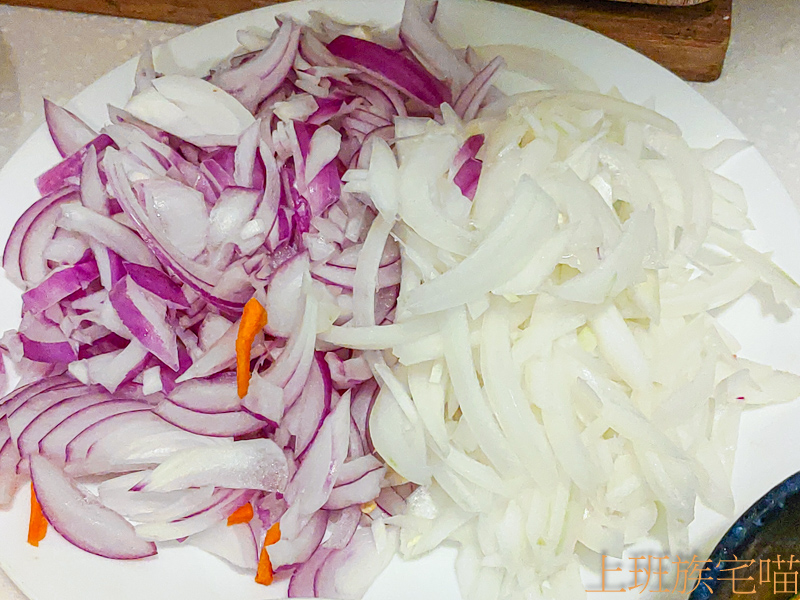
[(57, 570)]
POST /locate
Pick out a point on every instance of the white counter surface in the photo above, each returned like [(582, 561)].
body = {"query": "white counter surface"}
[(55, 54)]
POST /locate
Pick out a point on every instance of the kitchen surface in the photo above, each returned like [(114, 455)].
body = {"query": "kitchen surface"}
[(56, 54)]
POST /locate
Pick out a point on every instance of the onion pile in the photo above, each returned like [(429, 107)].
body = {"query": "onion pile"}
[(558, 383), (137, 262)]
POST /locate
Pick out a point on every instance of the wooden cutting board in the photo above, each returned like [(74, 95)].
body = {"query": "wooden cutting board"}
[(689, 37)]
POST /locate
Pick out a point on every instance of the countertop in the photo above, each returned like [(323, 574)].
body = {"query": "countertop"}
[(54, 54)]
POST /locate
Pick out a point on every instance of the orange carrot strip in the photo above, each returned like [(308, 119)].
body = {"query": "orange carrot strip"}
[(264, 574), (253, 320), (243, 514), (273, 535), (37, 526)]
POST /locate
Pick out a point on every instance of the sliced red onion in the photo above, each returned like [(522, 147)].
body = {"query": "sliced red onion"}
[(21, 395), (313, 482), (302, 583), (245, 156), (348, 573), (30, 437), (390, 502), (418, 33), (257, 464), (467, 177), (152, 507), (200, 277), (235, 544), (304, 419), (217, 358), (473, 95), (235, 207), (22, 416), (156, 281), (224, 424), (54, 443), (363, 399), (145, 71), (264, 399), (285, 295), (60, 284), (9, 457), (244, 81), (177, 212), (363, 489), (224, 502), (342, 525), (112, 368), (140, 439), (113, 410), (68, 132), (24, 258), (108, 232), (392, 67), (48, 352), (80, 519), (290, 552), (145, 318), (214, 395), (468, 150), (68, 170)]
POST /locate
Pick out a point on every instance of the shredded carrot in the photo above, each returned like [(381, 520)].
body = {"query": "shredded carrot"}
[(243, 514), (273, 535), (265, 574), (37, 526), (253, 320)]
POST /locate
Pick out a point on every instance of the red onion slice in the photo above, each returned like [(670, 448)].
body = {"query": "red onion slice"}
[(302, 583), (67, 172), (235, 544), (342, 525), (359, 491), (116, 418), (214, 395), (159, 283), (470, 99), (9, 457), (392, 67), (60, 284), (140, 439), (225, 424), (68, 132), (418, 33), (285, 295), (40, 426), (304, 419), (80, 519), (21, 395), (47, 352), (145, 318), (288, 553), (54, 443), (152, 507), (19, 419), (257, 464), (313, 482), (347, 573), (223, 504), (108, 232)]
